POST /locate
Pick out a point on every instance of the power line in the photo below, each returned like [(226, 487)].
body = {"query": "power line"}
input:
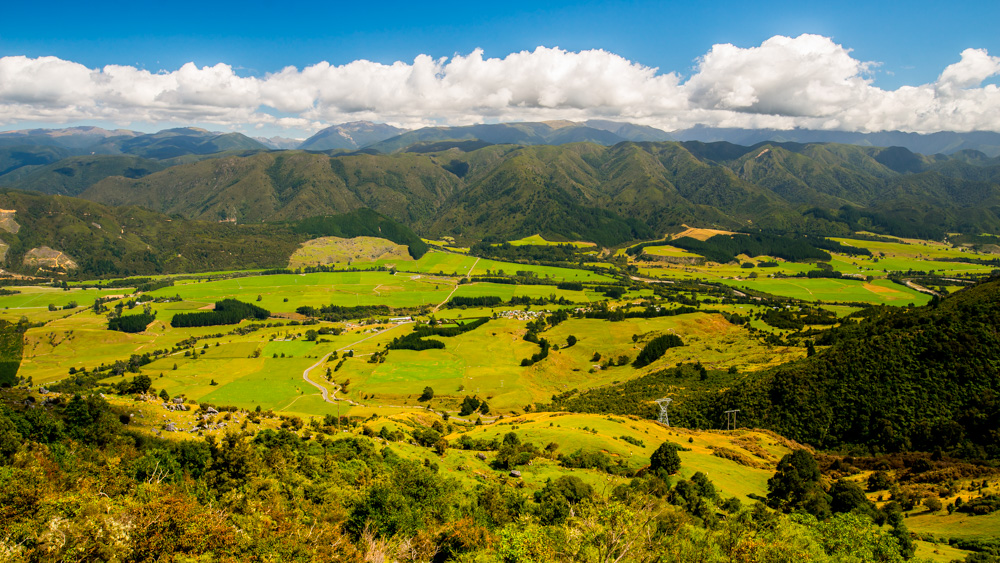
[(731, 414), (663, 404)]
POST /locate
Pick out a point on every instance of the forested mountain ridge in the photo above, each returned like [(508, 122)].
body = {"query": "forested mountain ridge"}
[(515, 190), (904, 379), (131, 240)]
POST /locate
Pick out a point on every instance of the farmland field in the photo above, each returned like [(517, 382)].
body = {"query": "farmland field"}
[(875, 292), (537, 240)]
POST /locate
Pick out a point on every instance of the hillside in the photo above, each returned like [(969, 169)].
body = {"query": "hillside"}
[(526, 133), (354, 135), (944, 142), (71, 176), (586, 191), (19, 159), (24, 151), (904, 379), (124, 241)]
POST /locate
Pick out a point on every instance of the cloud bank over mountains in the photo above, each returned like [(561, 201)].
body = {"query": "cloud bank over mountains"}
[(807, 81)]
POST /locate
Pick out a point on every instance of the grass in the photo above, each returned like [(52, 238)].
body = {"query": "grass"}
[(337, 288), (537, 240), (486, 361), (40, 297), (842, 290), (957, 525), (939, 552), (507, 291), (602, 433), (550, 272), (670, 251)]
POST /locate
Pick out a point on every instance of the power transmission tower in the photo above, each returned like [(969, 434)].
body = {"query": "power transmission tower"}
[(731, 414), (663, 404)]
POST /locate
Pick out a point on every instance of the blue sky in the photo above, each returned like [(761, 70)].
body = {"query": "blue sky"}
[(912, 42)]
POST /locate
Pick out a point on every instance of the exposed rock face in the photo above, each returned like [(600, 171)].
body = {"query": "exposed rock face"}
[(7, 222), (45, 257)]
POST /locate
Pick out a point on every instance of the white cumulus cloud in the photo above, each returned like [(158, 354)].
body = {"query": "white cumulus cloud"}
[(805, 81)]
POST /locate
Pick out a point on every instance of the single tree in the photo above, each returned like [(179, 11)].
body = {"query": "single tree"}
[(427, 395), (796, 487), (665, 459)]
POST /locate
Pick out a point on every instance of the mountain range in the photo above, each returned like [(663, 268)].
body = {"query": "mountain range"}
[(587, 191), (563, 179)]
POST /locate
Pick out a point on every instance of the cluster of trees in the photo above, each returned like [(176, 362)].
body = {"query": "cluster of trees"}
[(656, 348), (637, 396), (227, 312), (797, 487), (481, 301), (797, 320), (131, 323), (337, 313), (11, 350), (725, 248), (648, 312), (420, 339), (192, 499), (472, 405), (362, 222), (887, 371), (542, 353), (527, 253)]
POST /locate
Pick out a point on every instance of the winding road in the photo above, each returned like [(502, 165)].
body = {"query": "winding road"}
[(322, 390), (305, 376), (454, 289)]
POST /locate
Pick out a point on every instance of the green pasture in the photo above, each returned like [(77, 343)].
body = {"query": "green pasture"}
[(938, 552), (926, 250), (537, 240), (670, 251), (433, 262), (337, 288), (824, 289), (508, 291), (956, 525), (486, 361), (40, 297), (551, 272)]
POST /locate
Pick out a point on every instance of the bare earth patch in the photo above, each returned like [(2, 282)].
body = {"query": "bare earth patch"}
[(336, 250), (45, 257)]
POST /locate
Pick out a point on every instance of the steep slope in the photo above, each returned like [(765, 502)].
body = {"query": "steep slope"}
[(119, 241), (473, 189), (285, 186), (18, 160), (354, 135), (75, 139), (105, 240), (71, 176), (945, 142), (630, 131), (903, 379), (171, 143), (538, 190), (542, 133)]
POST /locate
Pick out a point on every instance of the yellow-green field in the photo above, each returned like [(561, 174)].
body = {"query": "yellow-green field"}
[(286, 292), (670, 251), (537, 240), (821, 289)]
